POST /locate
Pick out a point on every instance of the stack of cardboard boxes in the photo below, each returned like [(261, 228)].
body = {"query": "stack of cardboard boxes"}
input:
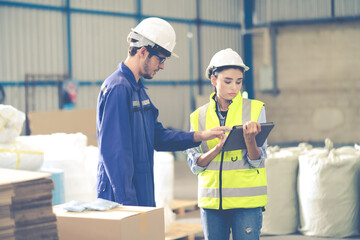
[(26, 213), (26, 206)]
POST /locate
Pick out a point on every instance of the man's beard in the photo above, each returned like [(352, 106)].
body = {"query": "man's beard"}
[(146, 68)]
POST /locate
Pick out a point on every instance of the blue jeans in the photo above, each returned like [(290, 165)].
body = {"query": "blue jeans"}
[(245, 223)]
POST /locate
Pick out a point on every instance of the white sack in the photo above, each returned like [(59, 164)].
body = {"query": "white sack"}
[(21, 155), (302, 148), (11, 123), (164, 177), (164, 184), (328, 192), (281, 215)]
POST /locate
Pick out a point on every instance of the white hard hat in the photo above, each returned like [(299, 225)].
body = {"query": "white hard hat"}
[(151, 31), (225, 57)]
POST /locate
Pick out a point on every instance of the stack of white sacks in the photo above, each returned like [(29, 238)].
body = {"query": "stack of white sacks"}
[(14, 153), (314, 191), (68, 153)]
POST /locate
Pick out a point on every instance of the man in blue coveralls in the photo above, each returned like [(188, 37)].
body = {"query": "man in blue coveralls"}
[(127, 127)]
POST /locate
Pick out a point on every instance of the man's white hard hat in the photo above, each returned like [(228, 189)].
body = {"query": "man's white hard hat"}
[(225, 57), (151, 31)]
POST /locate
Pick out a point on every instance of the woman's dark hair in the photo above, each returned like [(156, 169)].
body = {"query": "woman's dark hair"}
[(216, 71)]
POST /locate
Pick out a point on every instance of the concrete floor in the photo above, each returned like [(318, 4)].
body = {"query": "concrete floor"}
[(185, 187)]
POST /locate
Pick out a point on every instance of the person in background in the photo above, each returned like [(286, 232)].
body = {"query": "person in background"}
[(232, 185), (128, 129), (69, 93)]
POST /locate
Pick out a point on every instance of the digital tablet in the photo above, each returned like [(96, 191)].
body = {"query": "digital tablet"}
[(236, 141)]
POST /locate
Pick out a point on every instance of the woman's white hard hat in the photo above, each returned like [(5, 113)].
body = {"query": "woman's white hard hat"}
[(151, 31), (225, 57)]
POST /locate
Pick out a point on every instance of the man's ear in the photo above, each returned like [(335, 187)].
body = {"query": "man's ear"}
[(143, 52), (213, 80)]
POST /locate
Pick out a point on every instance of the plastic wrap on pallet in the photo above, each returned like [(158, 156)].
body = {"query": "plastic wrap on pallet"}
[(69, 153), (328, 191), (11, 123), (21, 155)]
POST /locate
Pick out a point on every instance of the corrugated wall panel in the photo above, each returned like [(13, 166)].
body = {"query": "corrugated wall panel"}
[(124, 6), (173, 104), (32, 42), (347, 8), (87, 97), (280, 10), (99, 45), (180, 68), (170, 8), (221, 11), (215, 39), (42, 2), (15, 97), (43, 98)]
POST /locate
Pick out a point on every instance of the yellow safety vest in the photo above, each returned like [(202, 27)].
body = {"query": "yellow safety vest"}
[(229, 181)]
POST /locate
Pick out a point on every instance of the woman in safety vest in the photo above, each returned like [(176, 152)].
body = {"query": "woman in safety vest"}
[(232, 184)]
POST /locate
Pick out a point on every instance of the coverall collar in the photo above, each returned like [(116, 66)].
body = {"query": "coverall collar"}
[(130, 77)]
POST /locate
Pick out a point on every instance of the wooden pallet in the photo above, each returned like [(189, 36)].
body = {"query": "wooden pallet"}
[(184, 207), (183, 231)]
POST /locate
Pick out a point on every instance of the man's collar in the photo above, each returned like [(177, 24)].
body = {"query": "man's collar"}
[(130, 77)]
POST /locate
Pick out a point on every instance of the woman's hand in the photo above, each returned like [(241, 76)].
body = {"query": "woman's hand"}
[(251, 129)]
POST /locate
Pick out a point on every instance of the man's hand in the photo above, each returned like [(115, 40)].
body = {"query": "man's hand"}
[(216, 132), (207, 157)]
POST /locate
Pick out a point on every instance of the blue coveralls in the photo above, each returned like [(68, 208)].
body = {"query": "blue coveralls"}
[(127, 134)]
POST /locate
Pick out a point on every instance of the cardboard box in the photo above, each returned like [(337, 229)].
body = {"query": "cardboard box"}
[(122, 223), (65, 121)]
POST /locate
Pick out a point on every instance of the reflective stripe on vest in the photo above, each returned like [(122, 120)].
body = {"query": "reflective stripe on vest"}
[(233, 192), (237, 165), (202, 125)]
